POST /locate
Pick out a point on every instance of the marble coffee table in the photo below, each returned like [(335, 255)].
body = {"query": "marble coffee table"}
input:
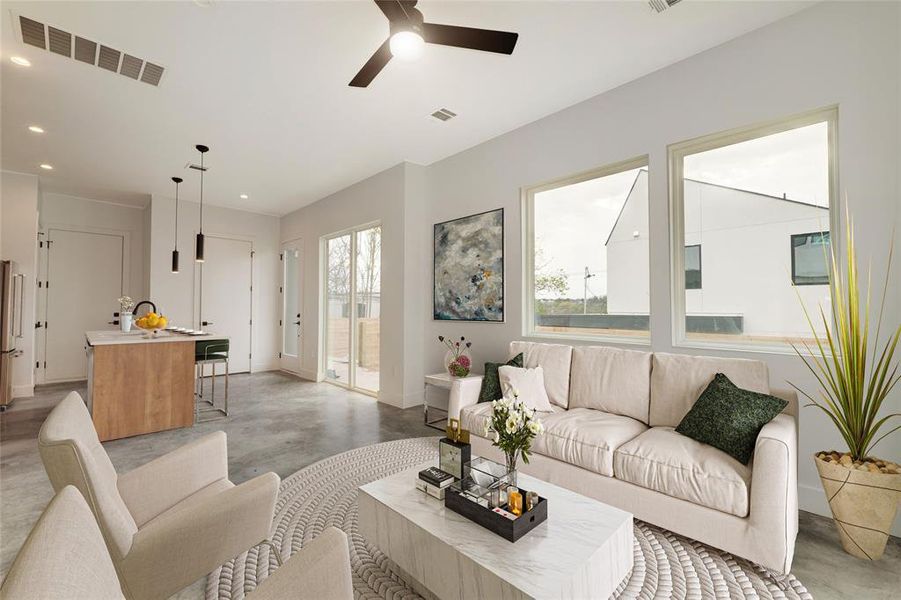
[(583, 550)]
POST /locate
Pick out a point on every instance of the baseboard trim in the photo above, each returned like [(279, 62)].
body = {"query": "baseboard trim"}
[(22, 391), (310, 375)]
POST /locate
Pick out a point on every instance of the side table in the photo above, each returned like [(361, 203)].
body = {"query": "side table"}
[(446, 382)]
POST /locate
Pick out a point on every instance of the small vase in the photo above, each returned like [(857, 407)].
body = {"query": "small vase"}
[(125, 321), (511, 458), (457, 366)]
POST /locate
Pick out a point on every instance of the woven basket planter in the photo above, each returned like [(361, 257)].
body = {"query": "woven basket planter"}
[(863, 506)]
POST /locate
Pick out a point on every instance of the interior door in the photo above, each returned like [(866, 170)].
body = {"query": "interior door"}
[(85, 275), (226, 277), (292, 261)]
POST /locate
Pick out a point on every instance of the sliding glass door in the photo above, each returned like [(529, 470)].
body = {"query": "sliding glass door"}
[(352, 306)]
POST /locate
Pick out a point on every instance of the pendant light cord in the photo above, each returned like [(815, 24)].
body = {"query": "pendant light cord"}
[(201, 192), (176, 215)]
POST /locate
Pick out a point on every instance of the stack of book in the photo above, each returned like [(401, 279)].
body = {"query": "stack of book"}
[(433, 482)]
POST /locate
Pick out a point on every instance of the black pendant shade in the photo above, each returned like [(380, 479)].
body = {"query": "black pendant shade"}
[(198, 245), (198, 248), (177, 180)]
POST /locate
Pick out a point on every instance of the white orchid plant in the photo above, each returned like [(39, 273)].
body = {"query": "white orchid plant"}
[(513, 426)]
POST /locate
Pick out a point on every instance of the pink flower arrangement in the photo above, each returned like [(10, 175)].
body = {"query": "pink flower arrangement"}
[(458, 362)]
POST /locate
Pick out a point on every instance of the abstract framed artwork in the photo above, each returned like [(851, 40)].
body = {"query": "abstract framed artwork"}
[(468, 282)]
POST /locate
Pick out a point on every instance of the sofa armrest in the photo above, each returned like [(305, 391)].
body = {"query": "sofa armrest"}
[(319, 571), (774, 483), (189, 543), (790, 396), (464, 392), (160, 484)]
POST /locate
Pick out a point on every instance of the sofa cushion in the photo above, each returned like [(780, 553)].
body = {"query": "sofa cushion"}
[(555, 359), (586, 438), (475, 417), (730, 418), (665, 461), (611, 380), (677, 381), (528, 384), (491, 383)]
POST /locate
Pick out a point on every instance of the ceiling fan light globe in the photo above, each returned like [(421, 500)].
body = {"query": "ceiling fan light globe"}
[(406, 45)]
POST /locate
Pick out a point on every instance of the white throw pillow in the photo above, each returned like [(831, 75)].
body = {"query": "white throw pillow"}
[(529, 384)]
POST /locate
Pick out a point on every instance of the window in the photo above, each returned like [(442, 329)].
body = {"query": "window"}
[(810, 258), (741, 195), (587, 267), (693, 267)]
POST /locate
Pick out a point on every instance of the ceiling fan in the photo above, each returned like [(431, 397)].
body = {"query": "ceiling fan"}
[(409, 34)]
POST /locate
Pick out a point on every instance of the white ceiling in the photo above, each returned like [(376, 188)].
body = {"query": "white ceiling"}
[(265, 86)]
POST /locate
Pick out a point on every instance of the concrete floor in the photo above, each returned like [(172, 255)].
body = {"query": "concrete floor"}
[(279, 423)]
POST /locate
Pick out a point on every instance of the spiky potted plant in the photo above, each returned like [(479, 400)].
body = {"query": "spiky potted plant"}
[(855, 377)]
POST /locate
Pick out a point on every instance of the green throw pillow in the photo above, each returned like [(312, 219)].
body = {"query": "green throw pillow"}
[(729, 418), (491, 383)]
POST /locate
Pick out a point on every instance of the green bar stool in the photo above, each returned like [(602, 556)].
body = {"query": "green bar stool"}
[(210, 352)]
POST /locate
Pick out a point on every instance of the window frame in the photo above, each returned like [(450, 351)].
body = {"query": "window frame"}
[(676, 154), (527, 194), (791, 249)]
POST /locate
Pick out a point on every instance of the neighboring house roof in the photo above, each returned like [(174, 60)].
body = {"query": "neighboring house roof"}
[(717, 185)]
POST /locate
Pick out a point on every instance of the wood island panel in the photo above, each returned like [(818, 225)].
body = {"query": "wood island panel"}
[(142, 388)]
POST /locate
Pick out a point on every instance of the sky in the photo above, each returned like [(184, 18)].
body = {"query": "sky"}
[(573, 222)]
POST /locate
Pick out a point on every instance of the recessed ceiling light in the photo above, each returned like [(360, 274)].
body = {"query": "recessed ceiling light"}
[(244, 196), (47, 167), (35, 129), (21, 61)]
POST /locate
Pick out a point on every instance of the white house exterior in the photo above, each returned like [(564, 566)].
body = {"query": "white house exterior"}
[(746, 250)]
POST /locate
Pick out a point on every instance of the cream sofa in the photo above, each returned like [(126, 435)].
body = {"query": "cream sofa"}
[(611, 437)]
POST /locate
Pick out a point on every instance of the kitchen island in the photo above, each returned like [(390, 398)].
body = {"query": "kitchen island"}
[(139, 385)]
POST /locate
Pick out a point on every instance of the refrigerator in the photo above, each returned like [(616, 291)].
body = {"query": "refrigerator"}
[(12, 295)]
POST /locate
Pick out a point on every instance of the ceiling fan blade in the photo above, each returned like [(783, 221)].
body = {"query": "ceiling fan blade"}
[(486, 40), (372, 67), (394, 9)]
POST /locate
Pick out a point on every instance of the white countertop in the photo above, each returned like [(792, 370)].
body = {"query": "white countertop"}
[(136, 336)]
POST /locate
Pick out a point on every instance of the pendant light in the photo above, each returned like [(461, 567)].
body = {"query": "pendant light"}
[(177, 180), (198, 247)]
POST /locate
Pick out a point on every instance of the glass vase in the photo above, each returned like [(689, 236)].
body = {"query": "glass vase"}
[(511, 458), (457, 366)]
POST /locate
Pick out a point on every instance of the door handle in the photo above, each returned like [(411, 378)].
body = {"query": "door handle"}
[(116, 322), (297, 322), (205, 323)]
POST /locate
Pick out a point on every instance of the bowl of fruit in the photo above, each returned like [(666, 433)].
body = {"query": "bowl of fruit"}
[(152, 324)]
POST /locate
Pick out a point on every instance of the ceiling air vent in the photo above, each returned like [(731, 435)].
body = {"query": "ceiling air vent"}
[(662, 5), (33, 33), (109, 59), (152, 73), (60, 41), (131, 66), (442, 114), (84, 50)]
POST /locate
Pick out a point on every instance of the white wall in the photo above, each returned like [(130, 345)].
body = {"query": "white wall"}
[(833, 53), (174, 293), (394, 199), (18, 242)]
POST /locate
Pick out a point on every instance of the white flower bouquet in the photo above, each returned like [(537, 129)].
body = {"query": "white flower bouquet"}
[(513, 426)]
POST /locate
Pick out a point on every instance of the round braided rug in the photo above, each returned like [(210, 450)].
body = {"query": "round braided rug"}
[(325, 493)]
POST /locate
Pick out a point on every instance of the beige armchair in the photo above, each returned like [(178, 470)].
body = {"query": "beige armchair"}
[(65, 557), (166, 523)]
